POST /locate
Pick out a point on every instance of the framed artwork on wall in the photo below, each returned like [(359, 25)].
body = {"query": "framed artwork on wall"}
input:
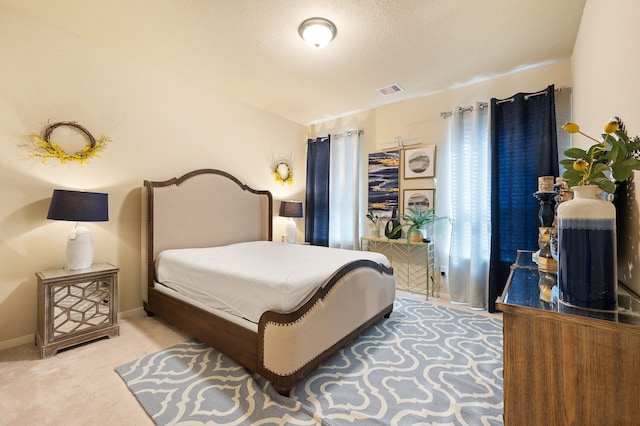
[(420, 162), (422, 199), (384, 180)]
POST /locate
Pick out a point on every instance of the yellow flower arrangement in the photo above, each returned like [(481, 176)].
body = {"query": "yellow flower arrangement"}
[(47, 149), (605, 162)]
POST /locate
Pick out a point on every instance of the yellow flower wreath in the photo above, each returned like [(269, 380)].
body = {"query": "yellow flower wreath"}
[(47, 149), (278, 175)]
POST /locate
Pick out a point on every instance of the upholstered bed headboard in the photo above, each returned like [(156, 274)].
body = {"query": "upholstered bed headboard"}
[(203, 208)]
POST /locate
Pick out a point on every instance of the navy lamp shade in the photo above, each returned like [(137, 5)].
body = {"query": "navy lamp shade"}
[(78, 206), (291, 209)]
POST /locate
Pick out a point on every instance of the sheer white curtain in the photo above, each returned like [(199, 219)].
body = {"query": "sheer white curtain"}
[(345, 192), (470, 180)]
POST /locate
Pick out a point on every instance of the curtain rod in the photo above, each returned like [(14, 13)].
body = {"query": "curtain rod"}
[(460, 110), (339, 135), (527, 97), (447, 114), (318, 138), (348, 133)]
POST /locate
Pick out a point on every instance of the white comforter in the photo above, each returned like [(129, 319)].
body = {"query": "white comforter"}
[(247, 279)]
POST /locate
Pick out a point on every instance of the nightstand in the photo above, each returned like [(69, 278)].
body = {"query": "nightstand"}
[(76, 307)]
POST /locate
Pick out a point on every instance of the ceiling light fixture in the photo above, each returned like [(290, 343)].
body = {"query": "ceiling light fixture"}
[(317, 32)]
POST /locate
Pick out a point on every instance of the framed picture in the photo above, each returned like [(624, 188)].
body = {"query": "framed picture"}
[(384, 180), (420, 162), (418, 198)]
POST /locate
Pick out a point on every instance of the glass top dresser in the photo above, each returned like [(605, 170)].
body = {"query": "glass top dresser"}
[(566, 365)]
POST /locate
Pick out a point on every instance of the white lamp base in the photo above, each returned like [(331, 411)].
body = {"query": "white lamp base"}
[(79, 249), (292, 231)]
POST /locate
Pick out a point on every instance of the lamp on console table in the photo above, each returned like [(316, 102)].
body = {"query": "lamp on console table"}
[(78, 206), (291, 209)]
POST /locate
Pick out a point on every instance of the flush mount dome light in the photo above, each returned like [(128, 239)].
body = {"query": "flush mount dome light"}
[(317, 32)]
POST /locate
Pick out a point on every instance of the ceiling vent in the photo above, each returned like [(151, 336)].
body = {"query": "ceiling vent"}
[(390, 90)]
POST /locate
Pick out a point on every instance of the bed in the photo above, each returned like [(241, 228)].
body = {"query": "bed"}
[(211, 215)]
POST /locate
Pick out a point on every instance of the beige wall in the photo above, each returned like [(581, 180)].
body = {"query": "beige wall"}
[(606, 59), (162, 125), (420, 118)]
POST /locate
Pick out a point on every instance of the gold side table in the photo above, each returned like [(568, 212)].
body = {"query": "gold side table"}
[(76, 307), (413, 263)]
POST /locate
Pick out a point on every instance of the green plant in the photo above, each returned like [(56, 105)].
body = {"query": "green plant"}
[(373, 217), (606, 160), (416, 218)]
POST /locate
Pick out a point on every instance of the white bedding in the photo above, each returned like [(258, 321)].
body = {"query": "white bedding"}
[(247, 279)]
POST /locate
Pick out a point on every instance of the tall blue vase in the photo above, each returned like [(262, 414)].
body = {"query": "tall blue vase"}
[(587, 264)]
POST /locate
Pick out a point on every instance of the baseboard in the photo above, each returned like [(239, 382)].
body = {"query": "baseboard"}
[(31, 338), (132, 313)]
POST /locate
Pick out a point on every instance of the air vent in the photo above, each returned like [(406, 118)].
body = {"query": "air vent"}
[(390, 90)]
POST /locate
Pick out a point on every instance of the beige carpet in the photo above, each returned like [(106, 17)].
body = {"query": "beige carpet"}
[(79, 386)]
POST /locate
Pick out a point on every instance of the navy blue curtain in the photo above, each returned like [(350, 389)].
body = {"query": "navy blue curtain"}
[(316, 229), (523, 147)]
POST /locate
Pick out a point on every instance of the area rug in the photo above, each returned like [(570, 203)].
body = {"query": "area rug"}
[(425, 365)]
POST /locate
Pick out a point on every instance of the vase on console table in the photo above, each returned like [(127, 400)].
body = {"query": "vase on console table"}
[(587, 269), (391, 230)]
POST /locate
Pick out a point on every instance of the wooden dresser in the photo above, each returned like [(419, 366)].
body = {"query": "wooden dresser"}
[(567, 366)]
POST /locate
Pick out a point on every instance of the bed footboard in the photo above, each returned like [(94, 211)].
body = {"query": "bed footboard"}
[(293, 344)]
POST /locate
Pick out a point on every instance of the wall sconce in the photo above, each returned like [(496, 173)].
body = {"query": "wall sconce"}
[(291, 209), (79, 206), (317, 32)]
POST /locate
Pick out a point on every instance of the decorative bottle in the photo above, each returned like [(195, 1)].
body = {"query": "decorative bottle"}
[(392, 224)]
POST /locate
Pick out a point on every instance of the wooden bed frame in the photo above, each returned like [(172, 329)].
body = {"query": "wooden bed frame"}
[(210, 207)]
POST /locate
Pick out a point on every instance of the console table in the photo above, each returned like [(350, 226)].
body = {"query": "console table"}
[(412, 262), (563, 365)]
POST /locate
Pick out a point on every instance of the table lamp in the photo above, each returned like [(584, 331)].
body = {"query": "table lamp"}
[(78, 206), (291, 209)]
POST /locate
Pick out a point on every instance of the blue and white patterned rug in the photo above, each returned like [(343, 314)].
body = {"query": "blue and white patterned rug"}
[(425, 365)]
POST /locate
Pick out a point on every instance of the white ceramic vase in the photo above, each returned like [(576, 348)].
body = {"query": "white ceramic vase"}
[(587, 259)]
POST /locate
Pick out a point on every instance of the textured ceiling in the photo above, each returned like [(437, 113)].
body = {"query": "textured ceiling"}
[(251, 50)]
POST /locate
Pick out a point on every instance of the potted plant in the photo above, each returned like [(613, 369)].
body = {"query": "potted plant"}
[(606, 162), (374, 227), (417, 218)]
